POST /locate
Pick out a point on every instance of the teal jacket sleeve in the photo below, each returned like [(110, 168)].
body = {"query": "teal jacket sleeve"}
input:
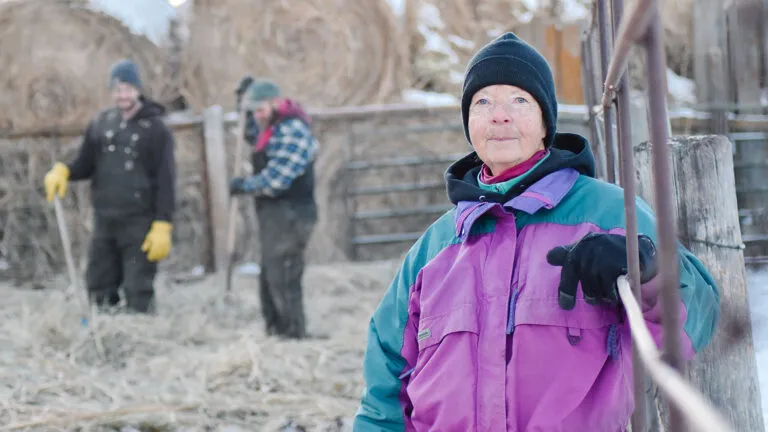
[(383, 404), (392, 346), (699, 295)]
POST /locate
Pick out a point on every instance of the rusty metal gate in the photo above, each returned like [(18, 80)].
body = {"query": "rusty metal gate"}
[(641, 25)]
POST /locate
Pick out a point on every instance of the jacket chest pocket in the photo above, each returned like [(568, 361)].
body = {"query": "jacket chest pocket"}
[(432, 330), (451, 335), (584, 320)]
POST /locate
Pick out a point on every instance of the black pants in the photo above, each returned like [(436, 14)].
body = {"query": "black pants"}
[(285, 229), (115, 260)]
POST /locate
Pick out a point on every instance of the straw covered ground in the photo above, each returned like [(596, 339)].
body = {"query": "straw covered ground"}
[(202, 363)]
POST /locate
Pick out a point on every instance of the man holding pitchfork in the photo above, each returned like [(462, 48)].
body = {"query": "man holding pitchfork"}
[(127, 154)]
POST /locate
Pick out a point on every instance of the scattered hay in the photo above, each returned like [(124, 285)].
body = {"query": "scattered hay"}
[(202, 363)]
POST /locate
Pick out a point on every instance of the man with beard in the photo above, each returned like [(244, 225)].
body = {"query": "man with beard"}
[(127, 154), (283, 184)]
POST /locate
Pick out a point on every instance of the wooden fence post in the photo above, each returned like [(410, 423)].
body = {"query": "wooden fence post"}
[(744, 34), (218, 190), (708, 225), (710, 59)]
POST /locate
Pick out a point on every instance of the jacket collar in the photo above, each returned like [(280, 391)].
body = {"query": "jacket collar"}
[(547, 193)]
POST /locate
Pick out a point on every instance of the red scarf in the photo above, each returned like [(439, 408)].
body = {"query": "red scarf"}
[(487, 177), (286, 108)]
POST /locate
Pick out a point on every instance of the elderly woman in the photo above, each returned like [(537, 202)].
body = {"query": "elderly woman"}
[(484, 327)]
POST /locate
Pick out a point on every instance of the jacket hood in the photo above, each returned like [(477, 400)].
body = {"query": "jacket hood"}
[(568, 151), (289, 108), (149, 109)]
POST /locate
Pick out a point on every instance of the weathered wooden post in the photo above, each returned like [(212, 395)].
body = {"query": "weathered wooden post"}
[(710, 59), (218, 190), (708, 225)]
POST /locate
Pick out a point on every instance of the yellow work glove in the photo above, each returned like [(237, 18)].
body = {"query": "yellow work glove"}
[(56, 181), (157, 245)]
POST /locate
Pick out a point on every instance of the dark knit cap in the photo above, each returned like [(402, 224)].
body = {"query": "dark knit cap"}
[(510, 60), (125, 71)]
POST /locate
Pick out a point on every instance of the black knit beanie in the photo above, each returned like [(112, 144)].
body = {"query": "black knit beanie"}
[(510, 60), (125, 71)]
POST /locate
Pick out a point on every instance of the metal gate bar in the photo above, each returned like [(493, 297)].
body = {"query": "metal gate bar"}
[(641, 25)]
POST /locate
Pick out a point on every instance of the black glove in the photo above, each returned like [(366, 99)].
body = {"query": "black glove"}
[(243, 84), (597, 260)]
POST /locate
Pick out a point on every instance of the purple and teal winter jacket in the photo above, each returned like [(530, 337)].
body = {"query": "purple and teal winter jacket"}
[(470, 336)]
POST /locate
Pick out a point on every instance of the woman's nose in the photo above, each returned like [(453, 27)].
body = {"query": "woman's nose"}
[(500, 115)]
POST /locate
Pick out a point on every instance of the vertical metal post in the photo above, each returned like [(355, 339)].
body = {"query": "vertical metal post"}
[(608, 122), (667, 222), (350, 204), (590, 97), (627, 176)]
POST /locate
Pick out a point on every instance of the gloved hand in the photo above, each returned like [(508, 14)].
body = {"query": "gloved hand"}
[(239, 186), (243, 84), (157, 244), (597, 260), (56, 180)]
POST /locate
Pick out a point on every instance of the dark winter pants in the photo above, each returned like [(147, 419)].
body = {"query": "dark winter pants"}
[(115, 261), (285, 229)]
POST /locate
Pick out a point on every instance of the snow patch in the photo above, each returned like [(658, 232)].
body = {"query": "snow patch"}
[(461, 42), (429, 98), (456, 77), (574, 10), (429, 15), (398, 7), (681, 90), (150, 18), (757, 296)]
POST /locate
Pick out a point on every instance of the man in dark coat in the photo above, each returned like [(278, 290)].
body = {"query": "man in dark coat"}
[(127, 153), (283, 184)]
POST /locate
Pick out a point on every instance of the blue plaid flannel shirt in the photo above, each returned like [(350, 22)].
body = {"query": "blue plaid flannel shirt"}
[(290, 150)]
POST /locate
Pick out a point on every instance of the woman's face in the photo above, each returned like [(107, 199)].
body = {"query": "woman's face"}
[(505, 126)]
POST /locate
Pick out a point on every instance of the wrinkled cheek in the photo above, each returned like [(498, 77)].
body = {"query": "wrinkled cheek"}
[(476, 129)]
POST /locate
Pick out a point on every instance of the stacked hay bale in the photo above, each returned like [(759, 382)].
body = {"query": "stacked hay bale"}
[(324, 52), (56, 56)]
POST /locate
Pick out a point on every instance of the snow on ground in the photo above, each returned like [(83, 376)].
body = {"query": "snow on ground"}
[(757, 291)]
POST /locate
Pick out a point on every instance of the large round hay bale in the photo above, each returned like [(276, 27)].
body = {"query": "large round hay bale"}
[(324, 52), (56, 56), (445, 34)]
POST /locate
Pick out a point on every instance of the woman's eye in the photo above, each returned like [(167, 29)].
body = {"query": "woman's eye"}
[(521, 99), (481, 101)]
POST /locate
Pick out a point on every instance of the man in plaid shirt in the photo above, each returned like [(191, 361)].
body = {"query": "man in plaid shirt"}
[(283, 184)]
